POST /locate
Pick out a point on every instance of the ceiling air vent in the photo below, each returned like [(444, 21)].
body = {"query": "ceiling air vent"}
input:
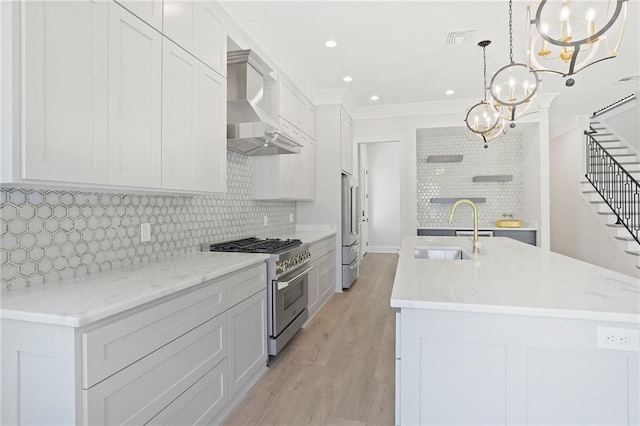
[(629, 79), (456, 38)]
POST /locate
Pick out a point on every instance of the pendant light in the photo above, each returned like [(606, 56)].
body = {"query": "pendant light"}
[(514, 86), (565, 38), (483, 119)]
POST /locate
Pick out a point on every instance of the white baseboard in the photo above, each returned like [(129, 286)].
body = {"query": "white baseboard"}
[(383, 249)]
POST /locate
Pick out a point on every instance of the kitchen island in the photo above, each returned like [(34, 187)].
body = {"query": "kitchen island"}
[(513, 335)]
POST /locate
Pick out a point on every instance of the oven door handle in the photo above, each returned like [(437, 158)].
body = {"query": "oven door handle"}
[(285, 284)]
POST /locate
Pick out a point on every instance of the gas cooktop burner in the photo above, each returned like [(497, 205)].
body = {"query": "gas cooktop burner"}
[(255, 245)]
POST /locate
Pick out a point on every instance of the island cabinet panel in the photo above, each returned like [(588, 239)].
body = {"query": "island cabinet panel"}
[(471, 368), (65, 55)]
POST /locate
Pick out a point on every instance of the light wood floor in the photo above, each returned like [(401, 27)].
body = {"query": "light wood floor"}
[(339, 369)]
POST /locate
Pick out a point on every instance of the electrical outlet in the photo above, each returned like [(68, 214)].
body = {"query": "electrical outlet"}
[(266, 221), (290, 217), (624, 339), (145, 232)]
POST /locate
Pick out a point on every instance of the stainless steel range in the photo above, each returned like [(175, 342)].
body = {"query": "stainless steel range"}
[(287, 283)]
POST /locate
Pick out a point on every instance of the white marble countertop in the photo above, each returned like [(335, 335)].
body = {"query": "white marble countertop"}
[(510, 277), (83, 300)]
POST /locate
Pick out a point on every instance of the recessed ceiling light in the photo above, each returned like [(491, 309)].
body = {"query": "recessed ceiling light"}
[(331, 43), (449, 92), (347, 78), (374, 98)]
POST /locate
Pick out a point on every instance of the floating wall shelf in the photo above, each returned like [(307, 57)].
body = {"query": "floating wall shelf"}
[(493, 178), (444, 159), (476, 200)]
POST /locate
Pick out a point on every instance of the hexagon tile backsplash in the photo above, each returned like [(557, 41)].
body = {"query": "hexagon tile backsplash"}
[(455, 179), (50, 235)]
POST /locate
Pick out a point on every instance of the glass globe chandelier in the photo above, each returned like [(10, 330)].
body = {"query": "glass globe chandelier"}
[(566, 38), (483, 119), (514, 87)]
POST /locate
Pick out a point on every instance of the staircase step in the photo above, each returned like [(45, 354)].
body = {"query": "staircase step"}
[(633, 252), (624, 238), (601, 134)]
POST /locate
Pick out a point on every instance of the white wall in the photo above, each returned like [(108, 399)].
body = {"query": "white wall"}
[(576, 230), (383, 159), (368, 127), (627, 124)]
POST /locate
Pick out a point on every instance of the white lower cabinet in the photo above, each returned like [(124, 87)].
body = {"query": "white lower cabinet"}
[(247, 340), (184, 359), (201, 402), (136, 394), (322, 278)]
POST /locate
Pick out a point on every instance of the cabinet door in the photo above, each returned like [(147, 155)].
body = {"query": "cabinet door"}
[(179, 117), (135, 88), (307, 118), (150, 11), (247, 340), (210, 38), (210, 155), (313, 294), (65, 50), (177, 22), (289, 103), (308, 162), (346, 139)]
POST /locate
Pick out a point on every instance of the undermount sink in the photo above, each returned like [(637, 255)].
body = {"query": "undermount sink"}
[(441, 253)]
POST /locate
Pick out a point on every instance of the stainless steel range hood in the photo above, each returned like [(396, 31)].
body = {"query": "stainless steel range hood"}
[(251, 129)]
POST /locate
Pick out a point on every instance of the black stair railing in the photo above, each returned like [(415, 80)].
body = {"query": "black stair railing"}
[(615, 185)]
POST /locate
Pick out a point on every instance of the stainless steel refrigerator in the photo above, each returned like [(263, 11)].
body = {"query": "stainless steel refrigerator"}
[(350, 235)]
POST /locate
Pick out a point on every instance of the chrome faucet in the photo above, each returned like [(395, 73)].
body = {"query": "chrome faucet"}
[(476, 242)]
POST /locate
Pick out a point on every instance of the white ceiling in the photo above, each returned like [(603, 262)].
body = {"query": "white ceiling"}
[(397, 50)]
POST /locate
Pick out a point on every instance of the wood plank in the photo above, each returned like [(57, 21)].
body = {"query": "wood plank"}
[(338, 370)]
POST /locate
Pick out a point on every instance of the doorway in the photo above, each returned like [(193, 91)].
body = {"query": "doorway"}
[(379, 175)]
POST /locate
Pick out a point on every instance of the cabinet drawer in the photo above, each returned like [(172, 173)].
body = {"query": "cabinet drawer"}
[(200, 403), (246, 283), (136, 394), (320, 248), (110, 348)]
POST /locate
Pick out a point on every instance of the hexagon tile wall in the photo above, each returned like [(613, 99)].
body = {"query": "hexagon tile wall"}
[(49, 235), (452, 180)]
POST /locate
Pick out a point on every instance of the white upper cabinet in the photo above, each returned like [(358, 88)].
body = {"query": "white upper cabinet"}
[(150, 11), (307, 117), (286, 176), (100, 89), (64, 51), (196, 28), (346, 142), (289, 102), (135, 88), (193, 140), (212, 134), (210, 37)]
